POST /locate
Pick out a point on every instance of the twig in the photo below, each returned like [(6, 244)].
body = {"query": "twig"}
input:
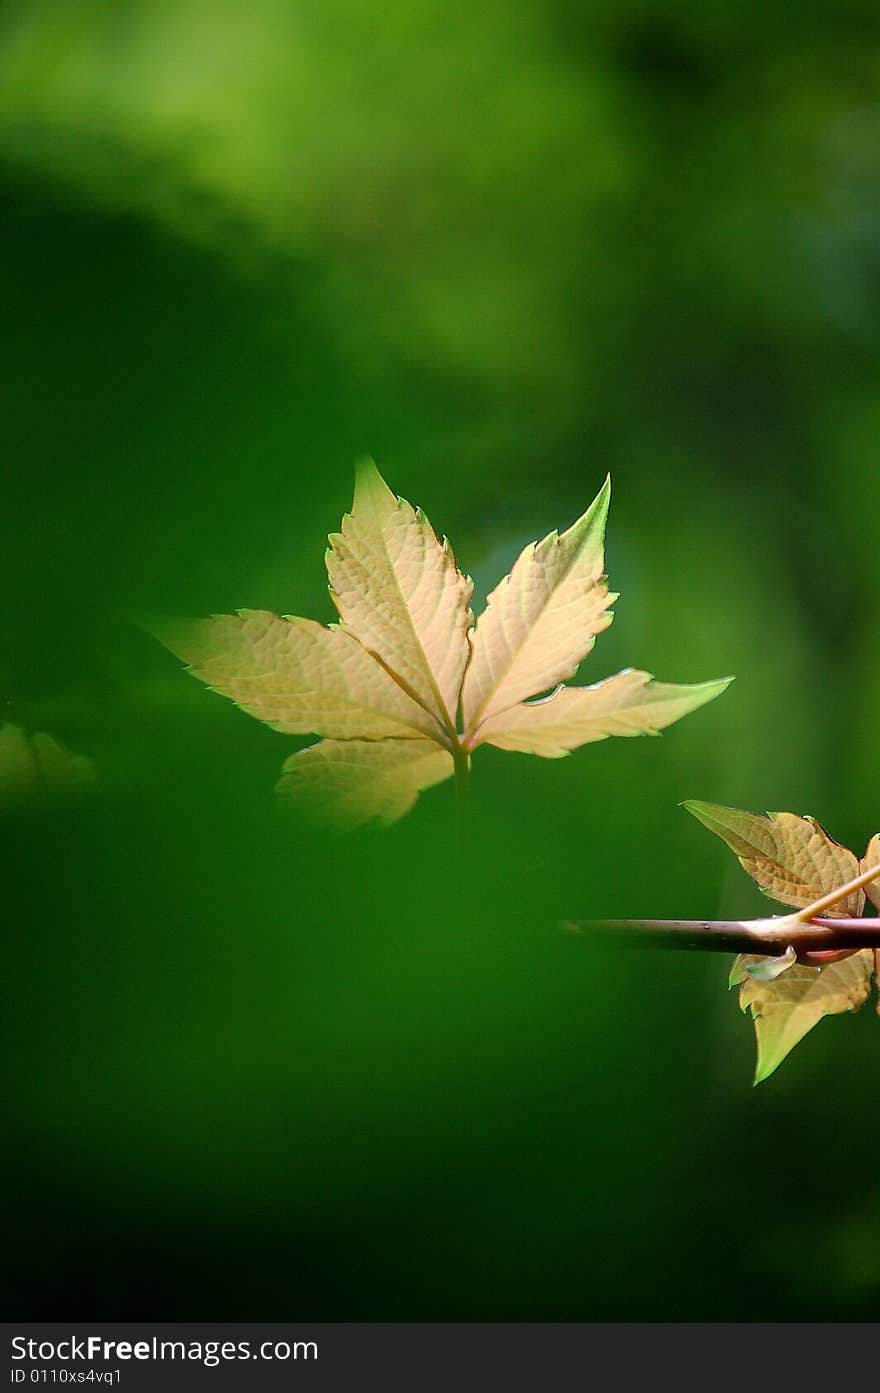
[(761, 936), (835, 896), (804, 930)]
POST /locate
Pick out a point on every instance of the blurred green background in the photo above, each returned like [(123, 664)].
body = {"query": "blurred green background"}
[(505, 248)]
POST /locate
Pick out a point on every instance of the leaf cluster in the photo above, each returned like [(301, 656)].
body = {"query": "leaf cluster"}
[(795, 862), (407, 685), (35, 767)]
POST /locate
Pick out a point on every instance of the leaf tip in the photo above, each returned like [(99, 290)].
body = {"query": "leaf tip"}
[(145, 620), (589, 528), (368, 482), (365, 467), (704, 812), (171, 631), (704, 692), (602, 501), (764, 1068)]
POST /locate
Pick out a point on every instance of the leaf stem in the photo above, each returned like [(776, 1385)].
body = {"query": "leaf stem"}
[(835, 896), (462, 760)]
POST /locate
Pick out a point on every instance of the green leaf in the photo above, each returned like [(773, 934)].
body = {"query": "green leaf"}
[(769, 969)]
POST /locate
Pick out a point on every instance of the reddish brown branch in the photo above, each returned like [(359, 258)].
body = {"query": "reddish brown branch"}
[(735, 935)]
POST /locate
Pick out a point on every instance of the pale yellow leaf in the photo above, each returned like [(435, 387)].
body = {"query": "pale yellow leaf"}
[(405, 658), (400, 592), (872, 858), (785, 1009), (35, 767), (542, 619), (297, 676), (630, 703), (792, 858), (344, 783)]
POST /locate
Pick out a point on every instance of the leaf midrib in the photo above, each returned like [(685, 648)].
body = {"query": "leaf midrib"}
[(446, 721), (479, 717)]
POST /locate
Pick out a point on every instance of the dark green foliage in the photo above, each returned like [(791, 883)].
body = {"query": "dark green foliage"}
[(504, 249)]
